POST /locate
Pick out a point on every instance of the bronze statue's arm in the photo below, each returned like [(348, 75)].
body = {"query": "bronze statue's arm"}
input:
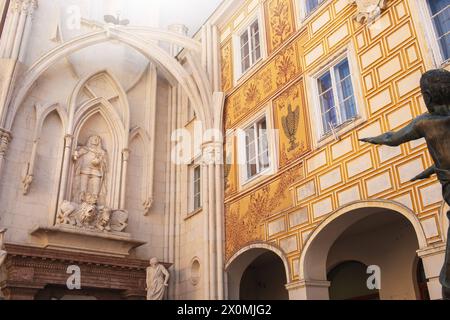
[(426, 174), (394, 139)]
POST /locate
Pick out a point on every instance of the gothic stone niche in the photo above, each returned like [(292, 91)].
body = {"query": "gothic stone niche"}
[(88, 208)]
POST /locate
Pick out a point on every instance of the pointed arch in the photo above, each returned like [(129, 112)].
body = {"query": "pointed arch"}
[(114, 82), (198, 88), (148, 166), (119, 143), (43, 111)]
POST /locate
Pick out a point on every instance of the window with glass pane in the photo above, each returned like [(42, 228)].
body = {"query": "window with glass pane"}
[(197, 188), (257, 148), (311, 5), (336, 96), (440, 14), (250, 46)]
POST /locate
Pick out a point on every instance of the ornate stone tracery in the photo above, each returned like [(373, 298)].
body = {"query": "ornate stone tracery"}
[(96, 157)]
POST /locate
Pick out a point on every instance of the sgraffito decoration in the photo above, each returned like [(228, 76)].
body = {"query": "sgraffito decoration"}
[(229, 167), (280, 22), (245, 217), (292, 124), (227, 66), (283, 68)]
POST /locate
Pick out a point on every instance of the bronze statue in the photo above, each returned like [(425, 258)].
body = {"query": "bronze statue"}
[(434, 126)]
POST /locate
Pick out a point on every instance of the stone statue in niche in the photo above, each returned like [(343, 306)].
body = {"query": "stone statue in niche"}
[(3, 253), (89, 210), (434, 126), (157, 280), (91, 169), (368, 10)]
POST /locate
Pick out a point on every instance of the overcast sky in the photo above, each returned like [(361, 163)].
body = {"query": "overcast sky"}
[(192, 13)]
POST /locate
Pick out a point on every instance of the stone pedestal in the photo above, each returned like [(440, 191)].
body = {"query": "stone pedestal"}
[(433, 260), (74, 239)]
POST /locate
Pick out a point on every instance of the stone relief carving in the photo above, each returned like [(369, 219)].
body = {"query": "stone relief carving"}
[(5, 139), (88, 209), (92, 217), (27, 180), (368, 10), (26, 6), (147, 204), (3, 253), (157, 280)]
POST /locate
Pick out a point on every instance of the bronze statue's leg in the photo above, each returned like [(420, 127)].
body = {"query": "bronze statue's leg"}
[(445, 273)]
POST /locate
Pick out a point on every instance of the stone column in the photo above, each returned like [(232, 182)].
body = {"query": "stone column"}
[(309, 290), (17, 28), (68, 141), (12, 45), (123, 184), (433, 260), (213, 201)]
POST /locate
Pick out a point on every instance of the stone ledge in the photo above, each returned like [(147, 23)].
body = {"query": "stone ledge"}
[(73, 239)]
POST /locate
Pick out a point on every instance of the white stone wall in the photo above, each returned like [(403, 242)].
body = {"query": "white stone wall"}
[(123, 77)]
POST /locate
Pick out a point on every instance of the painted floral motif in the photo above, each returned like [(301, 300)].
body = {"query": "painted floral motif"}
[(246, 226), (252, 94), (286, 67), (249, 97), (280, 22), (227, 67)]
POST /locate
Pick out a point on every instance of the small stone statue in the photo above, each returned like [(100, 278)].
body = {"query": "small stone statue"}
[(434, 126), (157, 280), (3, 253)]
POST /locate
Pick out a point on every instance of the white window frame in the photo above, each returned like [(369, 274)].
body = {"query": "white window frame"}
[(244, 180), (431, 35), (192, 195), (302, 10), (321, 138), (237, 58)]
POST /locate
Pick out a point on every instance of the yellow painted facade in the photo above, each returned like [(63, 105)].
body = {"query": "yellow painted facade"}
[(314, 177)]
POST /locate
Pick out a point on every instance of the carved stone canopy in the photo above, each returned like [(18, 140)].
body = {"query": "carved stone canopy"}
[(368, 10)]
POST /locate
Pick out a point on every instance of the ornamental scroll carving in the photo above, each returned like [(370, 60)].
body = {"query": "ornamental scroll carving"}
[(368, 10)]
